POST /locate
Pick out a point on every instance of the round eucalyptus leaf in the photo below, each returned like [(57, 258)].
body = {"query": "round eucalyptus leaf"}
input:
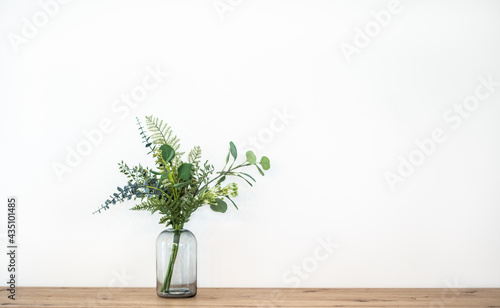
[(251, 158), (220, 206), (167, 152), (185, 171), (265, 163)]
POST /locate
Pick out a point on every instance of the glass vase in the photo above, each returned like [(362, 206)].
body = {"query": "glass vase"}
[(176, 263)]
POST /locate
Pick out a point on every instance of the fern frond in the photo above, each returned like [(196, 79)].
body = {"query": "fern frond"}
[(162, 133), (194, 156), (152, 205), (164, 219)]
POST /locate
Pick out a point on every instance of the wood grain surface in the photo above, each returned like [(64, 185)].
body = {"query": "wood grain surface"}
[(248, 297)]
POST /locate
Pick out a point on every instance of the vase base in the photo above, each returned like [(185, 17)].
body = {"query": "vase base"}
[(177, 293)]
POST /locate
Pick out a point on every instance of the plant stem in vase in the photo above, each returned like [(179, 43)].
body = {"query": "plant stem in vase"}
[(171, 263)]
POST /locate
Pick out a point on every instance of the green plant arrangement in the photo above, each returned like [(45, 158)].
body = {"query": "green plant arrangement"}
[(176, 188)]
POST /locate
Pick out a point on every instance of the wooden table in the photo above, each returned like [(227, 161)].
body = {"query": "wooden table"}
[(263, 298)]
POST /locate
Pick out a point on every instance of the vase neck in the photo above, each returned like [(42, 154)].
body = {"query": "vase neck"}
[(177, 229)]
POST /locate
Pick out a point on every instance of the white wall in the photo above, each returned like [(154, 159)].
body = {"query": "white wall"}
[(233, 67)]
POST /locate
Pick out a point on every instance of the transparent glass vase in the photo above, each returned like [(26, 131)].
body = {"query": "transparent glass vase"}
[(176, 263)]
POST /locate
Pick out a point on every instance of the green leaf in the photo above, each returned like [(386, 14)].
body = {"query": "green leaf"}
[(155, 172), (251, 158), (185, 171), (260, 170), (167, 152), (240, 176), (227, 158), (232, 149), (163, 177), (248, 176), (221, 179), (232, 202), (183, 184), (265, 163), (220, 206), (202, 192)]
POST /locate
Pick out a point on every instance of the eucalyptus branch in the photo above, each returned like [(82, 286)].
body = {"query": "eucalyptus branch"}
[(224, 173), (145, 138)]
